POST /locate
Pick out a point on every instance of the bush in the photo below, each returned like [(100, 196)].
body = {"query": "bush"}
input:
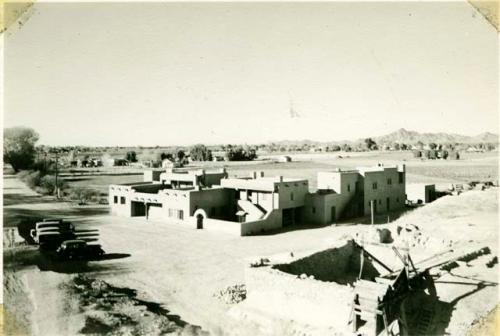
[(48, 184), (32, 179), (83, 195), (23, 174)]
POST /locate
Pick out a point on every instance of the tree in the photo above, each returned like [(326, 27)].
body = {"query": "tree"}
[(181, 155), (370, 144), (131, 156), (19, 147), (83, 195), (200, 153), (241, 154), (346, 148), (432, 145)]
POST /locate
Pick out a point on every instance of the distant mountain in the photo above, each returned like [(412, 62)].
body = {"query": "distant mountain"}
[(412, 137)]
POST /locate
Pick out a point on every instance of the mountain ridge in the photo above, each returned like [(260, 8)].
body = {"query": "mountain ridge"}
[(407, 137)]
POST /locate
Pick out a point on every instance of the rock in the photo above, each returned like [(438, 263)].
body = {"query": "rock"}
[(384, 236)]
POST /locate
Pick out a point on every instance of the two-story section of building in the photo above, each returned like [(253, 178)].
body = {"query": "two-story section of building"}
[(384, 187), (352, 193), (277, 200)]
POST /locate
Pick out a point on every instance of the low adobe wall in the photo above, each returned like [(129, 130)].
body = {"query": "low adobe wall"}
[(271, 221), (210, 224), (306, 301), (291, 287)]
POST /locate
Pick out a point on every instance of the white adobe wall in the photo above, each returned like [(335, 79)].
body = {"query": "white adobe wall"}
[(273, 220), (394, 191), (418, 191), (299, 190), (119, 209), (306, 301)]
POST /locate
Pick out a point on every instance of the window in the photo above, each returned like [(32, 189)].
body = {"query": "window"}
[(291, 196), (401, 177), (181, 214), (122, 200), (348, 187), (115, 199), (379, 202), (313, 209), (389, 181), (374, 185)]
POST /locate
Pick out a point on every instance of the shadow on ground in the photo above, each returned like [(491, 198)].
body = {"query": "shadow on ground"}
[(22, 257), (444, 310), (19, 198), (14, 217)]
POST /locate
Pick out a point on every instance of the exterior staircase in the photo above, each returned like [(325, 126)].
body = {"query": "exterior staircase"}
[(253, 211)]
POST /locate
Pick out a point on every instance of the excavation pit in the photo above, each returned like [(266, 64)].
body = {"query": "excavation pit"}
[(340, 264)]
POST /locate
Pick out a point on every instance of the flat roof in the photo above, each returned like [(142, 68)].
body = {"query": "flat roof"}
[(259, 183)]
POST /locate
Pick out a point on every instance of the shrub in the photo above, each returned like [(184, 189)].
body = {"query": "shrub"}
[(83, 195), (33, 179), (23, 174), (48, 184)]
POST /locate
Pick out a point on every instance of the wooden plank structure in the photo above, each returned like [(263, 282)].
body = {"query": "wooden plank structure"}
[(381, 302)]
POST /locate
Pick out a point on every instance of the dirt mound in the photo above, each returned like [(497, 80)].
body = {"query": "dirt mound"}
[(111, 310)]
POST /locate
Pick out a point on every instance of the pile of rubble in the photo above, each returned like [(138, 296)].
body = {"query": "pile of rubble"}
[(232, 294), (413, 236), (458, 188)]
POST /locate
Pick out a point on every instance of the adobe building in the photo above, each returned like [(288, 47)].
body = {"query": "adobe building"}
[(419, 193), (350, 193), (257, 203)]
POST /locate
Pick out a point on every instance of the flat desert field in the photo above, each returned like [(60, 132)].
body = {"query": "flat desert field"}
[(471, 167)]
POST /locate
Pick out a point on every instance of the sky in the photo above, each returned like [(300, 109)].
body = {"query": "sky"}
[(119, 74)]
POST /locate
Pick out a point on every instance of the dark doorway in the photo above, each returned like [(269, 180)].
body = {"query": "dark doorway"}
[(388, 200), (138, 209), (199, 221), (288, 217)]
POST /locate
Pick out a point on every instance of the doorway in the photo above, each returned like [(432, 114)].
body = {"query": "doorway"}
[(388, 201), (199, 221), (334, 215)]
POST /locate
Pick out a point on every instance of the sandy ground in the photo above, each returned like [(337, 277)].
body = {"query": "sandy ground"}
[(181, 269)]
